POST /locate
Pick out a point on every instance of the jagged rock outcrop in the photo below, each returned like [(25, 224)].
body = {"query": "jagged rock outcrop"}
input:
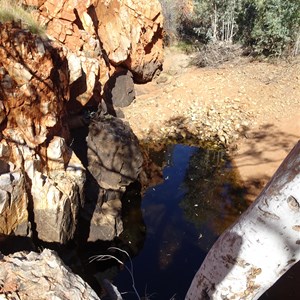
[(34, 276), (131, 34), (100, 35), (43, 80), (38, 168)]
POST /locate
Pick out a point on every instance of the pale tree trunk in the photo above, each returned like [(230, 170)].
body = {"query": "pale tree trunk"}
[(296, 50), (215, 24), (251, 255)]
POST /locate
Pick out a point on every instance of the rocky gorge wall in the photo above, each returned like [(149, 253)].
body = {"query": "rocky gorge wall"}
[(103, 37), (48, 82)]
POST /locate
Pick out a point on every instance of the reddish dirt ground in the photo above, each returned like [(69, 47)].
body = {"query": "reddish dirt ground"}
[(252, 106)]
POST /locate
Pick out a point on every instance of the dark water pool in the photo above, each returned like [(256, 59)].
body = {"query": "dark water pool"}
[(183, 216)]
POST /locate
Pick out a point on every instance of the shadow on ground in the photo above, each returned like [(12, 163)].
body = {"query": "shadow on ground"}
[(260, 155)]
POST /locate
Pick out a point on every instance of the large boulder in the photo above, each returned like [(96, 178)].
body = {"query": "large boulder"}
[(114, 161), (36, 276), (114, 155), (119, 89)]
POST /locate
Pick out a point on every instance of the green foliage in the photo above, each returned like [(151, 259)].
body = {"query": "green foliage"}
[(272, 26), (14, 11), (267, 27), (218, 19), (186, 46)]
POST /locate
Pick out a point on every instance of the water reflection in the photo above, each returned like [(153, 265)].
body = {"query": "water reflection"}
[(184, 216), (214, 195)]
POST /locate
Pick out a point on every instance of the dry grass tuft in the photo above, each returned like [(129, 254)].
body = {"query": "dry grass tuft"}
[(13, 10)]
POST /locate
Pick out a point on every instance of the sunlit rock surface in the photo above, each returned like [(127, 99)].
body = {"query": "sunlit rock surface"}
[(13, 203), (46, 79), (131, 33), (100, 35), (36, 276), (38, 166)]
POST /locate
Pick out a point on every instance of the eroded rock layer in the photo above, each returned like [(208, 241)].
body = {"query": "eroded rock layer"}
[(38, 169), (90, 47)]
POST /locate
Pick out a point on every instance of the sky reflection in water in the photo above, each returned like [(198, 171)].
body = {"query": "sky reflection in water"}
[(181, 217)]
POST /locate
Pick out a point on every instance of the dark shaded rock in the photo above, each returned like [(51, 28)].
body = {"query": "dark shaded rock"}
[(35, 276), (119, 89), (106, 222), (114, 156), (143, 73), (4, 167), (114, 161), (101, 216)]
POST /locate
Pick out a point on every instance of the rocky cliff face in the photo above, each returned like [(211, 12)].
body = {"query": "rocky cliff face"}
[(38, 170), (101, 37), (43, 81)]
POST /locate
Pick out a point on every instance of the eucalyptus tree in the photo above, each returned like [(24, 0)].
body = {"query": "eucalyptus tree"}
[(218, 19), (271, 27)]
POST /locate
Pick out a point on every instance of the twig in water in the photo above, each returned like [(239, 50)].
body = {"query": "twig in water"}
[(103, 257)]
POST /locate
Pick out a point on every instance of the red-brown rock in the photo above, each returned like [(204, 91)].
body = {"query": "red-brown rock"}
[(106, 34), (34, 91), (131, 33), (37, 163)]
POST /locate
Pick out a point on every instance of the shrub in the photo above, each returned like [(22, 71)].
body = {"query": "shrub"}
[(215, 54), (270, 27)]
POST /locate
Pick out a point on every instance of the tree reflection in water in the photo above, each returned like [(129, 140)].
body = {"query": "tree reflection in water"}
[(183, 215), (214, 194)]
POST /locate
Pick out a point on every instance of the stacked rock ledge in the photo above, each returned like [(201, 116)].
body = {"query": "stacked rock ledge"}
[(34, 91), (45, 80)]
